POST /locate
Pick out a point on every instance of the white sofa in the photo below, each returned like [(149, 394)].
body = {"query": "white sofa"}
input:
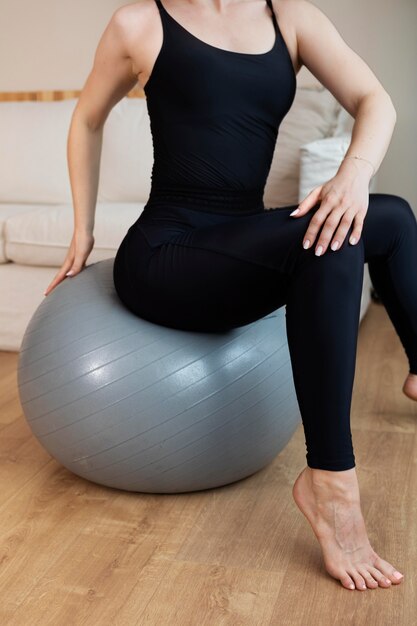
[(36, 213)]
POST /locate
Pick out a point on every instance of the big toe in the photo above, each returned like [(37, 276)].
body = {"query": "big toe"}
[(388, 571)]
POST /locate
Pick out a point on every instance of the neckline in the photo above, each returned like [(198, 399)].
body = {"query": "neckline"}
[(223, 50)]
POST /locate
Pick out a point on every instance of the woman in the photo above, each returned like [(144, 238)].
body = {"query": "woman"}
[(205, 254)]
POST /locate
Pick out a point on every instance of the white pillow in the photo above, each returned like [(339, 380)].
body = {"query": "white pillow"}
[(320, 160), (344, 123), (127, 153)]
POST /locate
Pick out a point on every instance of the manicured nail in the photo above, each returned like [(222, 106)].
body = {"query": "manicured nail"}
[(352, 240), (306, 244), (319, 251), (397, 575), (335, 245), (70, 273), (295, 212)]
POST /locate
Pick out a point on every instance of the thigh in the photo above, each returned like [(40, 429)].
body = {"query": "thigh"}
[(270, 239), (389, 218), (203, 278)]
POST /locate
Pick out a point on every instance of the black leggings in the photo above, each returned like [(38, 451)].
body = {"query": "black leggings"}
[(198, 270)]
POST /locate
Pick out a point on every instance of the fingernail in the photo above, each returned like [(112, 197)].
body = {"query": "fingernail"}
[(306, 244), (70, 273), (352, 240), (319, 251), (397, 575), (335, 245), (295, 212)]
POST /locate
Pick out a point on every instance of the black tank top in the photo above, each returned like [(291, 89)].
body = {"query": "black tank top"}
[(215, 115)]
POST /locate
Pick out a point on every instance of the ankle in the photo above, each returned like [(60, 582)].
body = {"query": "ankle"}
[(343, 483)]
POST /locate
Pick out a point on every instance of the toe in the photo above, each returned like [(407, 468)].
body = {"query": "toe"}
[(388, 570), (371, 582), (383, 581), (358, 580), (347, 581)]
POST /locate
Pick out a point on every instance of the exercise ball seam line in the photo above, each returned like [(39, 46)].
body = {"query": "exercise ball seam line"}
[(133, 393), (139, 349), (190, 343), (84, 458), (134, 416), (32, 326), (65, 365), (154, 462), (81, 338), (142, 433), (192, 458)]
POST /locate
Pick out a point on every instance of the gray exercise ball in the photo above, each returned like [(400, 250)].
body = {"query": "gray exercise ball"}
[(142, 407)]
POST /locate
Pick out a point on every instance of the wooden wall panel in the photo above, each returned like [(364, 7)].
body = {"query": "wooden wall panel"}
[(11, 96)]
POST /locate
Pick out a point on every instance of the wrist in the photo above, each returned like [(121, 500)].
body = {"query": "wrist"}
[(83, 232), (357, 167)]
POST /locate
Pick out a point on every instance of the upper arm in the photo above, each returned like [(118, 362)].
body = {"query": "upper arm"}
[(112, 75), (326, 54)]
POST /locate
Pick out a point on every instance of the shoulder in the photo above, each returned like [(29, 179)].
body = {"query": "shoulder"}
[(131, 21), (312, 29), (303, 16), (297, 8), (299, 13)]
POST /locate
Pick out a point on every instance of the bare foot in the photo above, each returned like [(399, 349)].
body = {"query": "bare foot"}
[(410, 386), (331, 503)]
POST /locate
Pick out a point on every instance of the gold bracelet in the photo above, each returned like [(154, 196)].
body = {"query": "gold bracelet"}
[(351, 156)]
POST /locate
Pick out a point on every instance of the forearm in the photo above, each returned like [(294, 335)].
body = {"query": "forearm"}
[(84, 153), (371, 135)]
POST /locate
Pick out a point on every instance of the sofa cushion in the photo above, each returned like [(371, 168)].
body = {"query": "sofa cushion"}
[(22, 291), (6, 211), (41, 236), (313, 115)]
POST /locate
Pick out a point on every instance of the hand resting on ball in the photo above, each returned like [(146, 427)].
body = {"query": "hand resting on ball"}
[(79, 250)]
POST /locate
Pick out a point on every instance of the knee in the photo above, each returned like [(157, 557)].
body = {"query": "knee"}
[(394, 209), (344, 266)]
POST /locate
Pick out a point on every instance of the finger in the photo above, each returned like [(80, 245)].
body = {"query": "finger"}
[(53, 284), (337, 221), (76, 267), (316, 223), (56, 280), (357, 228), (308, 202), (340, 234), (331, 205)]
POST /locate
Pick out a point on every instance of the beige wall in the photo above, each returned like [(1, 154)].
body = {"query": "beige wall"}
[(49, 44)]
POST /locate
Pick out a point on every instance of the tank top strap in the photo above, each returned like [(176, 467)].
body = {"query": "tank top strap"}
[(274, 18)]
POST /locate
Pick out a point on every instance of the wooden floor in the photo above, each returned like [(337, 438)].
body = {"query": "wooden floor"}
[(74, 553)]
